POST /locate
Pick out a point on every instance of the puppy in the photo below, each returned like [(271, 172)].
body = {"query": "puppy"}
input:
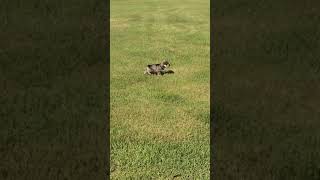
[(158, 69)]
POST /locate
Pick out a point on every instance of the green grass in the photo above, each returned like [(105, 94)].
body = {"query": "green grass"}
[(160, 125)]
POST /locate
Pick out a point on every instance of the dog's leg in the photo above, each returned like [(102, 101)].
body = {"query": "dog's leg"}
[(147, 71)]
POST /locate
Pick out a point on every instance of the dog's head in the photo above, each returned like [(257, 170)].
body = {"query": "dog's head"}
[(165, 64)]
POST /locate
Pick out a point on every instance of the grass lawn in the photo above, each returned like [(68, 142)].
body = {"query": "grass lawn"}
[(160, 124)]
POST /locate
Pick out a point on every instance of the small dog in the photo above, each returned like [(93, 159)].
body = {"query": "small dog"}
[(158, 69)]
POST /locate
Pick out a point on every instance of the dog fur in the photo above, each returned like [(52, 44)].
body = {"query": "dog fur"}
[(158, 69)]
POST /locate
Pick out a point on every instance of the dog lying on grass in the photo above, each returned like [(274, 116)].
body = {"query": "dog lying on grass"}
[(158, 69)]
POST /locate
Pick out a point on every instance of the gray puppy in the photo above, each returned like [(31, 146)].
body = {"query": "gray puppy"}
[(158, 69)]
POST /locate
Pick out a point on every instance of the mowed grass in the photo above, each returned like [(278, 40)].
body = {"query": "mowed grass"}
[(160, 124)]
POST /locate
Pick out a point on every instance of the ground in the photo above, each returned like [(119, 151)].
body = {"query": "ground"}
[(160, 124)]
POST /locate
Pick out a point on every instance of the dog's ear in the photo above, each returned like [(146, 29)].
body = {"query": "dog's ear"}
[(165, 61)]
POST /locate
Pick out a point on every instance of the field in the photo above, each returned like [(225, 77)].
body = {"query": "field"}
[(160, 124), (54, 81), (266, 89)]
